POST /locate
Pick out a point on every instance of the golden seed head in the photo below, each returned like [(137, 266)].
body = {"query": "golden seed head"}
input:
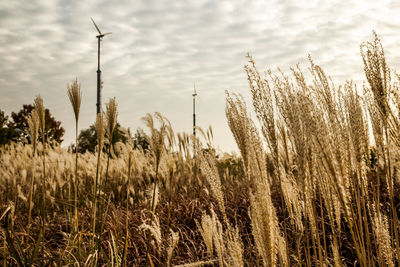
[(33, 123), (111, 117), (41, 112), (75, 96)]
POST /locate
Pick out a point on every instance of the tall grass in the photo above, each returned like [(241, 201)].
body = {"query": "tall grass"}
[(157, 145), (317, 184), (100, 130), (75, 97), (111, 121), (33, 123), (39, 107)]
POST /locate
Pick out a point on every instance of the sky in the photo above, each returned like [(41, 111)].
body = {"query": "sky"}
[(159, 49)]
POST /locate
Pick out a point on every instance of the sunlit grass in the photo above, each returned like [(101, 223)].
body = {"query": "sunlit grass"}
[(316, 184)]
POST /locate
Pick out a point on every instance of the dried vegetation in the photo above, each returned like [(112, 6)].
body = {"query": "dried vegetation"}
[(317, 183)]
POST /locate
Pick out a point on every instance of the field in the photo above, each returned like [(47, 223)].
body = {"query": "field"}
[(316, 183)]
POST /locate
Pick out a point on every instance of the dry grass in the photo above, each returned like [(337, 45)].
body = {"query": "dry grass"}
[(315, 186)]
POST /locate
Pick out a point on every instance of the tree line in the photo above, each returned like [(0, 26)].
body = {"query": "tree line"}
[(14, 128)]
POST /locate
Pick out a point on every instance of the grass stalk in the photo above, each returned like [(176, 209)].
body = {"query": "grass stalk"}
[(33, 123), (75, 96), (100, 139), (152, 215)]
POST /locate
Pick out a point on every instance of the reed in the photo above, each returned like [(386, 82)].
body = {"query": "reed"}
[(33, 123), (157, 146), (111, 122), (100, 130), (40, 110), (316, 182), (75, 97)]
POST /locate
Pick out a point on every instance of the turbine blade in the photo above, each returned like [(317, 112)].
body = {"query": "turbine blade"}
[(97, 28), (194, 87), (107, 33)]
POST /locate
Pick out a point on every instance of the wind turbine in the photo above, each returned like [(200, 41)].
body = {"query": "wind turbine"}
[(99, 83), (194, 109)]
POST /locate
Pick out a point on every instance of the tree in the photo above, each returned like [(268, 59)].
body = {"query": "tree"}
[(7, 134), (140, 140), (87, 138), (54, 131), (3, 119), (88, 141)]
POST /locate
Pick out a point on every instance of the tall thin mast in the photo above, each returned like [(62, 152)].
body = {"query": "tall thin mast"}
[(99, 84), (98, 104), (194, 110)]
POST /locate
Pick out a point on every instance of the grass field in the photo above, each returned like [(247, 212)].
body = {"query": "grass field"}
[(317, 184)]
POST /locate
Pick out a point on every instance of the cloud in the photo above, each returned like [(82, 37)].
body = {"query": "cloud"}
[(158, 49)]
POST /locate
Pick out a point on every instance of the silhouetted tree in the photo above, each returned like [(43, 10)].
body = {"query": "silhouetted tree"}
[(3, 119), (87, 138), (7, 134), (54, 131), (140, 140)]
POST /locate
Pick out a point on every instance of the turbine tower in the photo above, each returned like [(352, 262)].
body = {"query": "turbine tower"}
[(194, 109), (99, 83)]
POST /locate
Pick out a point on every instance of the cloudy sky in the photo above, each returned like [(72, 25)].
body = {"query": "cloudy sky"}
[(158, 49)]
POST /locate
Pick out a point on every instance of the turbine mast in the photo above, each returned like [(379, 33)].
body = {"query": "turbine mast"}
[(194, 109), (98, 104), (99, 82)]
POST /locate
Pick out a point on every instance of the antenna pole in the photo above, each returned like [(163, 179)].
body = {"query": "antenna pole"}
[(194, 111), (98, 104), (194, 116), (99, 84)]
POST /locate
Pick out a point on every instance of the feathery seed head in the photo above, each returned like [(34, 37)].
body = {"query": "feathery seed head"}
[(75, 96), (33, 123), (157, 137), (377, 73), (39, 107), (111, 117)]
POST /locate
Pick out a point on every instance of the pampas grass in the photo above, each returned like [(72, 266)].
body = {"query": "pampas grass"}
[(40, 110), (75, 97), (100, 130), (33, 123), (157, 146), (111, 122), (317, 184)]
